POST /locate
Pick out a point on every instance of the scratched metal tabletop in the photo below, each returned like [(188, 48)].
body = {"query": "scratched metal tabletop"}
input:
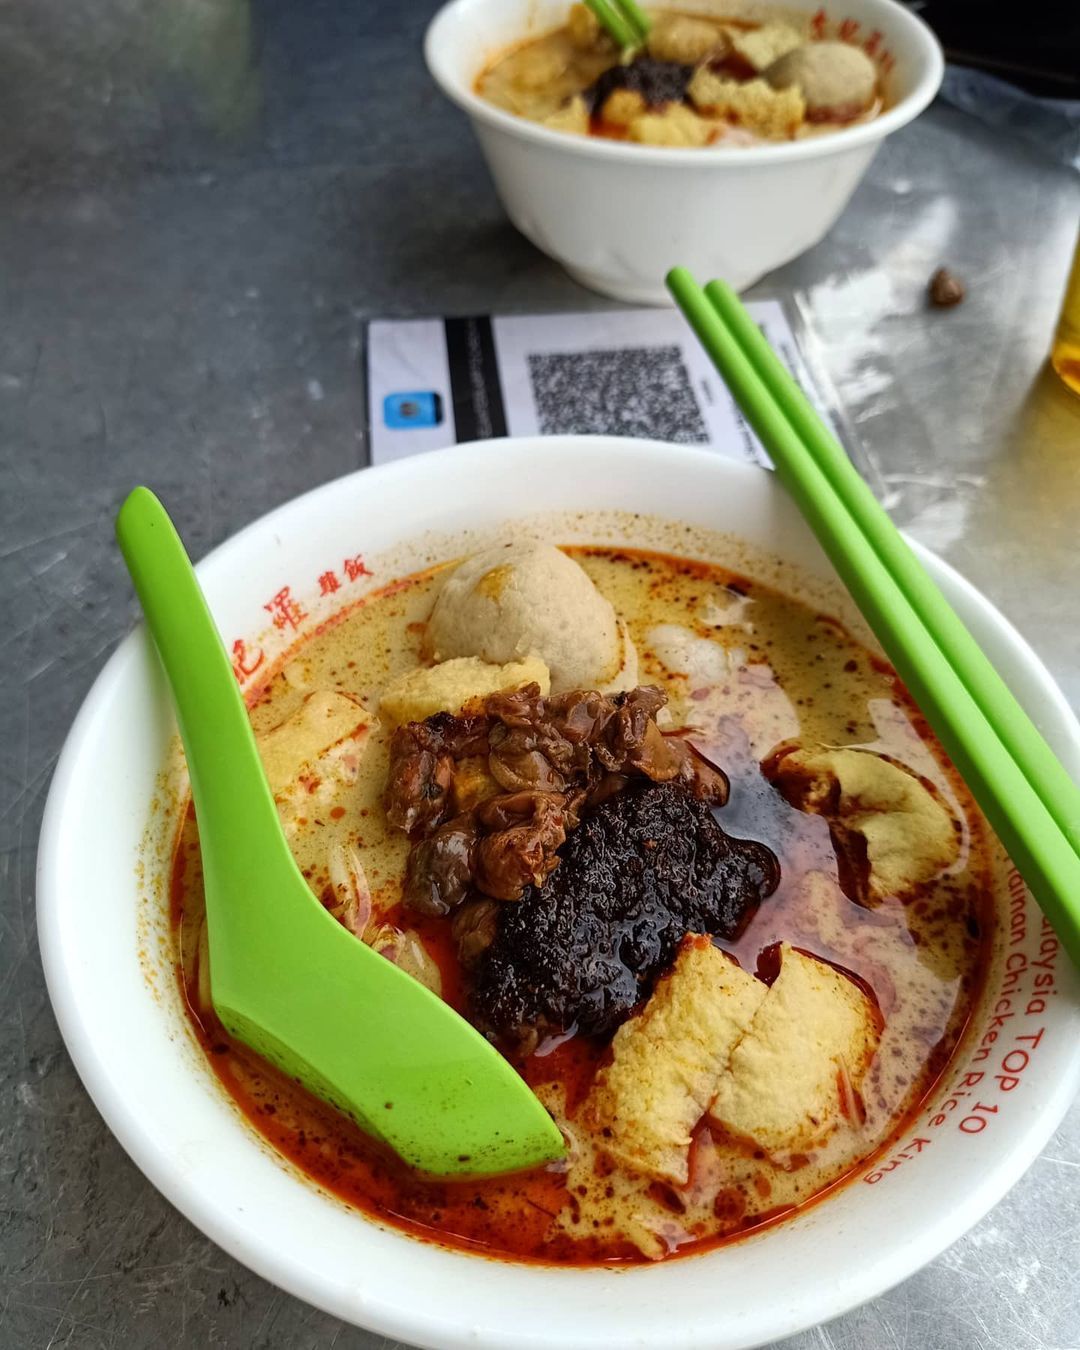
[(199, 206)]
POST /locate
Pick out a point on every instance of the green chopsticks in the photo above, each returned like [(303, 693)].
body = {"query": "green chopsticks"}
[(624, 21), (1025, 793)]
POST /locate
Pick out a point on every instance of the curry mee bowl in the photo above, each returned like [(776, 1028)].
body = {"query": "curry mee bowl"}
[(619, 215), (323, 565)]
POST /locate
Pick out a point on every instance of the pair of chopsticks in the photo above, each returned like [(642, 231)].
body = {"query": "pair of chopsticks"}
[(1022, 788), (623, 20)]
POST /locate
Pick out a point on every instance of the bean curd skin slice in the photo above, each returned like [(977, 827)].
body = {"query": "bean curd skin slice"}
[(323, 720)]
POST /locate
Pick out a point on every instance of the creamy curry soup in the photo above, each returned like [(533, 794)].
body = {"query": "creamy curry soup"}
[(678, 844), (700, 79)]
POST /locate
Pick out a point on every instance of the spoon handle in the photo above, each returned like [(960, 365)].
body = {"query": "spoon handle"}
[(239, 830)]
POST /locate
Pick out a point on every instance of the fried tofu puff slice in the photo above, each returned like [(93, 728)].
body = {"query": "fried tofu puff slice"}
[(775, 1065), (448, 686), (811, 1041), (668, 1058)]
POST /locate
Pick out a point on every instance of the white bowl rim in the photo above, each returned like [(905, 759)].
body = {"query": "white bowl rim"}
[(876, 1273), (906, 110)]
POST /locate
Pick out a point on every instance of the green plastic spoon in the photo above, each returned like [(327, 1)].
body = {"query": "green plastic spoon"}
[(286, 978)]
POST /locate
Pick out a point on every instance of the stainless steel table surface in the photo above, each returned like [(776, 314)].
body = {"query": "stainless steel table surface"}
[(198, 208)]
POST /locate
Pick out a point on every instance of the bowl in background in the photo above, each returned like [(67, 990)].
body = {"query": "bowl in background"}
[(102, 924), (618, 216)]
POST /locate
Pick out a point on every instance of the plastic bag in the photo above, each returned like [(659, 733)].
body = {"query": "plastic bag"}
[(1052, 124)]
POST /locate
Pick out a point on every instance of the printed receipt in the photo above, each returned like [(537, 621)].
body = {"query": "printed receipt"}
[(436, 382)]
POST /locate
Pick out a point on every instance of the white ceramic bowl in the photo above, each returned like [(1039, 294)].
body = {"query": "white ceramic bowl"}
[(618, 216), (106, 959)]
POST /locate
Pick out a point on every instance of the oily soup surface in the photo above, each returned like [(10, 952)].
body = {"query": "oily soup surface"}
[(747, 668)]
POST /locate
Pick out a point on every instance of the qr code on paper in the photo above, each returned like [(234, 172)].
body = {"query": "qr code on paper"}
[(628, 391)]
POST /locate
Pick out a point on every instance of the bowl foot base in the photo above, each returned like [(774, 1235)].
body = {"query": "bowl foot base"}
[(639, 292), (634, 292)]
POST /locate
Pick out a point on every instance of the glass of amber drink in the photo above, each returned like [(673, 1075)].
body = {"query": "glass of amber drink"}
[(1065, 352)]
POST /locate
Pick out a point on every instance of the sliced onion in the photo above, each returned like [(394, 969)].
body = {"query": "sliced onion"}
[(351, 889), (551, 1043), (409, 954), (203, 1000), (656, 1237), (385, 940), (298, 673), (190, 926)]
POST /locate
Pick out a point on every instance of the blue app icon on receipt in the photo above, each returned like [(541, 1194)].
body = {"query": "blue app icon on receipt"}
[(406, 411)]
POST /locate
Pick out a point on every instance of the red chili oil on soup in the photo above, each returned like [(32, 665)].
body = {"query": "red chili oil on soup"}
[(748, 669)]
